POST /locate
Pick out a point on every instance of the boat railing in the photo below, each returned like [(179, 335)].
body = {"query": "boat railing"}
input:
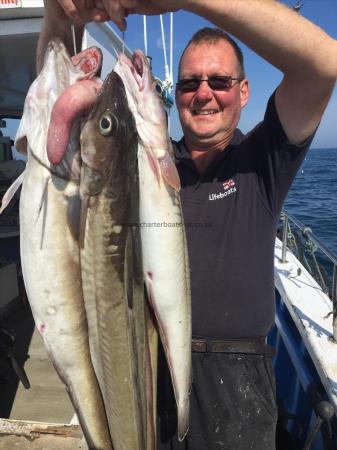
[(301, 241)]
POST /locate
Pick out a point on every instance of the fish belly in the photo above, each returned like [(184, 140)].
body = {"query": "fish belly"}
[(166, 275), (121, 332), (50, 263)]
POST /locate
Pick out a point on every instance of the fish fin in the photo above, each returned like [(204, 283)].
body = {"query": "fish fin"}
[(128, 269), (183, 420), (44, 206), (27, 133), (43, 197), (169, 172), (151, 342), (21, 141), (9, 194), (182, 408), (153, 162), (74, 216), (191, 381), (83, 219), (22, 145)]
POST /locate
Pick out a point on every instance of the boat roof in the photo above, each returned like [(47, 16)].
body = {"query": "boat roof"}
[(20, 24)]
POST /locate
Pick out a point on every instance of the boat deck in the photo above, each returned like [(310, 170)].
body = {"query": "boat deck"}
[(33, 412), (46, 400)]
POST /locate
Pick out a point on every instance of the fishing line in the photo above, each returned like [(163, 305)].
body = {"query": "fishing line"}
[(74, 39), (171, 70), (120, 43), (169, 121), (171, 47), (167, 74), (145, 35), (116, 52), (167, 84)]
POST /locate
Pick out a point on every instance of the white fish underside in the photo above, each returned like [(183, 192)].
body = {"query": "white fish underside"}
[(166, 273), (117, 312), (165, 258), (50, 252), (118, 337)]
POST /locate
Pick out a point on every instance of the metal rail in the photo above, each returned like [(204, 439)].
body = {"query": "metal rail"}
[(315, 243)]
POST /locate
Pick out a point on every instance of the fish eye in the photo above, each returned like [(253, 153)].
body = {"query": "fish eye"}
[(108, 123), (158, 87)]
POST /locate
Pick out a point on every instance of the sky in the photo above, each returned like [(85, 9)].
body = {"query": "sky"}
[(263, 77)]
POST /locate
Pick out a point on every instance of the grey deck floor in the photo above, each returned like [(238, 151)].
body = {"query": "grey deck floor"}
[(47, 399)]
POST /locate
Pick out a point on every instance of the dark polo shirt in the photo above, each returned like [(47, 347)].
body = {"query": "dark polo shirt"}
[(231, 213)]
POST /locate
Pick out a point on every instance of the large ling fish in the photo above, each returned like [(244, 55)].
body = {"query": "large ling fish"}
[(123, 339), (121, 334), (165, 261), (49, 224)]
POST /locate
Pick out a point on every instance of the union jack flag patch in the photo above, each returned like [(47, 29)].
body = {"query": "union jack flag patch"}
[(228, 184)]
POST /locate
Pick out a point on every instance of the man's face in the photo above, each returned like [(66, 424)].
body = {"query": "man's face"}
[(209, 117)]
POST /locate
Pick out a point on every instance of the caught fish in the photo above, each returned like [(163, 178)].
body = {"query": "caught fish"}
[(121, 333), (49, 234), (165, 260)]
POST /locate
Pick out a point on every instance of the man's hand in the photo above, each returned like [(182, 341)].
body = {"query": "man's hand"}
[(118, 10), (82, 11), (58, 17), (151, 7)]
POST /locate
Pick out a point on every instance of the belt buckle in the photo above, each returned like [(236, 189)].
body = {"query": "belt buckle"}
[(200, 346)]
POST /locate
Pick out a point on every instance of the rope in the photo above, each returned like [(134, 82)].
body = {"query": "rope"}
[(164, 46), (145, 35), (167, 84), (171, 46), (163, 87)]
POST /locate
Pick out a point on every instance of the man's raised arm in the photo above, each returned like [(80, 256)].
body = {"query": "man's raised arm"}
[(302, 51), (305, 54)]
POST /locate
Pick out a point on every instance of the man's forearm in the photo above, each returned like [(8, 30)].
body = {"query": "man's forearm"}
[(56, 24), (284, 38)]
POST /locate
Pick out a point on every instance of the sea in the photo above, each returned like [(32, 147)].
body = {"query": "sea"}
[(313, 196)]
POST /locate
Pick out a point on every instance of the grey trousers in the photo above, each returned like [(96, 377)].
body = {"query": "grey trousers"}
[(232, 404)]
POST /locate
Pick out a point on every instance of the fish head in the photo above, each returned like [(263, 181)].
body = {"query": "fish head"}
[(145, 102), (59, 71), (106, 137)]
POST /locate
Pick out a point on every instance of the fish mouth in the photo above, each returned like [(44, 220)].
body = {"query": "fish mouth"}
[(138, 69), (89, 61), (136, 66)]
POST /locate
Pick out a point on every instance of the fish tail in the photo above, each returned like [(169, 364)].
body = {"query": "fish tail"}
[(183, 419)]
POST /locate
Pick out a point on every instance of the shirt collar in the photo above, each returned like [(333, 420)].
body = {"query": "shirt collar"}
[(182, 153)]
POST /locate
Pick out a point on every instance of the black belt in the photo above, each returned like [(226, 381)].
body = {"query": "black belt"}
[(250, 346)]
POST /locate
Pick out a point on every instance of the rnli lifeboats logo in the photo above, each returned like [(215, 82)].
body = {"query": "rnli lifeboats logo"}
[(227, 185), (229, 188)]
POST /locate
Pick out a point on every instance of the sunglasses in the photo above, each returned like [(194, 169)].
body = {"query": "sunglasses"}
[(217, 83)]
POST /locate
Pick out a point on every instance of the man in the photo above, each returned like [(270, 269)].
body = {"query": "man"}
[(233, 187)]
